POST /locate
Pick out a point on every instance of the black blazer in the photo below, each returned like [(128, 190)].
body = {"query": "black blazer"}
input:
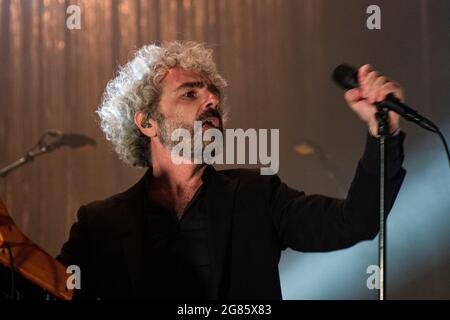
[(251, 219)]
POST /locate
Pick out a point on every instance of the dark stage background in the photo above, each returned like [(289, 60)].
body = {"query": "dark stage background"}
[(277, 56)]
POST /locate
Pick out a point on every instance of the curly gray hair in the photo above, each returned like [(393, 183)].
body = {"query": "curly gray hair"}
[(137, 88)]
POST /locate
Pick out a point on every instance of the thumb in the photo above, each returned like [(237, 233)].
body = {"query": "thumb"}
[(353, 95)]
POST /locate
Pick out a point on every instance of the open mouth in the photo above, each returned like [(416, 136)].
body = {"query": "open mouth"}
[(211, 122)]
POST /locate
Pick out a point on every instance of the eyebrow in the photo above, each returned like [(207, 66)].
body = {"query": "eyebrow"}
[(195, 84), (200, 84)]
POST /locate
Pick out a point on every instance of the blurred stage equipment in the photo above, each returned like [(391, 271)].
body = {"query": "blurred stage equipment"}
[(27, 271), (50, 141), (346, 76), (307, 147)]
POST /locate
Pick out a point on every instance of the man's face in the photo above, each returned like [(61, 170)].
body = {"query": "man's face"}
[(187, 97)]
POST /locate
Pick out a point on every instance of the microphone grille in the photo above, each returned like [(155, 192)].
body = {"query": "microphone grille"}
[(346, 76)]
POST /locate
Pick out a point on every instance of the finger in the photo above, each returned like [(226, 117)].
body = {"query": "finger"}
[(368, 83), (374, 91), (353, 95), (398, 92), (387, 88), (363, 71)]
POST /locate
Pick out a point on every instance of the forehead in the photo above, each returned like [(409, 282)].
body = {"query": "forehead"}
[(177, 76)]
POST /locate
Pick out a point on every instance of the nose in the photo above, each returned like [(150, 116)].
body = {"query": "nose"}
[(212, 101)]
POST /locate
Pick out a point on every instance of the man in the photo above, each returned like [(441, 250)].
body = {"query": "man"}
[(187, 231)]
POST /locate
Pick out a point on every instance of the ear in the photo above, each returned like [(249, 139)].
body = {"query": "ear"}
[(145, 124)]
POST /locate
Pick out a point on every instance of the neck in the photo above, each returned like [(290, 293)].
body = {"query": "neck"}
[(174, 177)]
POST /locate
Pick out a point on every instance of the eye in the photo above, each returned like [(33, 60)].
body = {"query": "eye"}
[(190, 94)]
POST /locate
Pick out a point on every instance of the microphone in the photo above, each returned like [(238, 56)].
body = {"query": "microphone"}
[(346, 76), (50, 141), (54, 139), (75, 140)]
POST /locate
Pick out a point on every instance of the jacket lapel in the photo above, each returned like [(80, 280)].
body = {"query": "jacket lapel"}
[(219, 205)]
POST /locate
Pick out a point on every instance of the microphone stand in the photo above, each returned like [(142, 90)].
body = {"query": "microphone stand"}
[(47, 143), (383, 131), (23, 160), (347, 77)]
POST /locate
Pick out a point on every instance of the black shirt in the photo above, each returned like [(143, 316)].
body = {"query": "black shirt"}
[(178, 257)]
